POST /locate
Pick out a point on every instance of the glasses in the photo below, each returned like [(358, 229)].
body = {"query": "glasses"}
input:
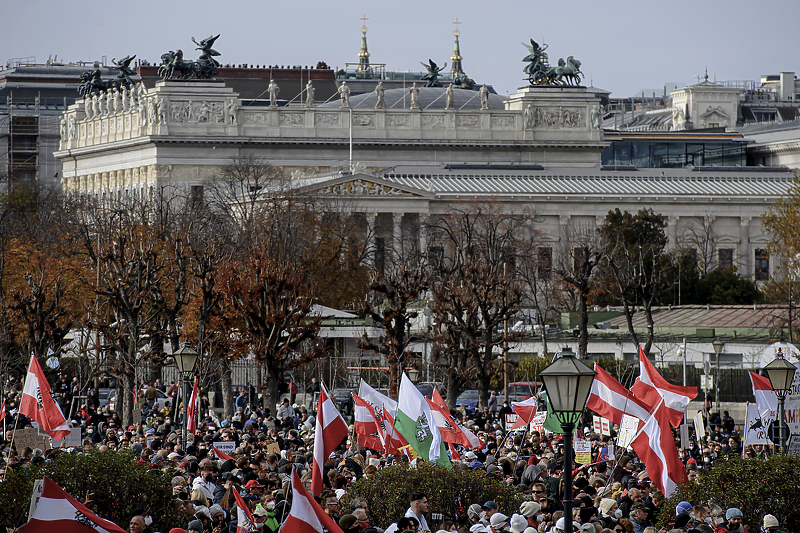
[(333, 504), (538, 492)]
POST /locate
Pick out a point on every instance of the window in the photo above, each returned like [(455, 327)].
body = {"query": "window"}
[(726, 258), (762, 265), (545, 263), (197, 195)]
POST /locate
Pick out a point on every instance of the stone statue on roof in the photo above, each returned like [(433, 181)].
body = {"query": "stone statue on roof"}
[(432, 77), (448, 94), (344, 94), (484, 96), (379, 103), (309, 94), (206, 64), (274, 91), (414, 92)]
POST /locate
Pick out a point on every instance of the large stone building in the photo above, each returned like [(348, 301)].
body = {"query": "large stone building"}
[(413, 156)]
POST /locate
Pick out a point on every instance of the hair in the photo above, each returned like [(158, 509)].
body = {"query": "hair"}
[(327, 494), (627, 524), (407, 522), (198, 495), (357, 503), (416, 496), (651, 529)]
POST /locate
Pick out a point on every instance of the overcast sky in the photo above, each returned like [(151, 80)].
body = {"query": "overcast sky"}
[(624, 46)]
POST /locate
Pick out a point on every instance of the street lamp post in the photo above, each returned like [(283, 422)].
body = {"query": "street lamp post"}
[(568, 382), (781, 374), (718, 345), (185, 359)]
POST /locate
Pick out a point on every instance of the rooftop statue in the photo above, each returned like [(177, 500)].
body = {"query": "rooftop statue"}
[(537, 63), (206, 64), (204, 68), (432, 77), (539, 72), (123, 79), (92, 83), (462, 81)]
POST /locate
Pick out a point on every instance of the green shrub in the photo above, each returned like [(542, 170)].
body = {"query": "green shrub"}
[(755, 486), (449, 492), (115, 483)]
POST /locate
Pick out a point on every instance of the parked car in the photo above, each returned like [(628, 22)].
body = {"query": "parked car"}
[(522, 390), (344, 400), (469, 399), (161, 399)]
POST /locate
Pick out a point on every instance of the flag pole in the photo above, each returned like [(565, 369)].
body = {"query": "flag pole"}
[(13, 436)]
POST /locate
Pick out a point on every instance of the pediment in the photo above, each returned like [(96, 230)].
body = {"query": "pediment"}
[(714, 112), (364, 185)]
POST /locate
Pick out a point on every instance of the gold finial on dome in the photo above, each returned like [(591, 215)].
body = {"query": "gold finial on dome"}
[(455, 59)]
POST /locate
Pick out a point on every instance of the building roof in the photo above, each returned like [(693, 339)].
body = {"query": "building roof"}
[(724, 182), (429, 98)]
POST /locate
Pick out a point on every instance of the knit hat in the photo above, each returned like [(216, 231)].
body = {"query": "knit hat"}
[(683, 507), (529, 509), (606, 504), (732, 513), (770, 521), (473, 510), (196, 525), (682, 521), (347, 521), (517, 524), (497, 520)]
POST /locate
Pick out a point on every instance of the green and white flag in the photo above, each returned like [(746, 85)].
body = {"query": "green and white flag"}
[(416, 424)]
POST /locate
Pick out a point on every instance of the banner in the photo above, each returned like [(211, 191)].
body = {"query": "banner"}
[(537, 424), (627, 431), (755, 428), (699, 426), (583, 451)]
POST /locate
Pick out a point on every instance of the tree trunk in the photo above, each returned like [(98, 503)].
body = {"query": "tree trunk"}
[(395, 374), (270, 393), (227, 389), (453, 387), (629, 320), (483, 376), (128, 379)]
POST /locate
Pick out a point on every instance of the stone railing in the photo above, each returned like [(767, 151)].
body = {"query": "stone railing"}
[(209, 108)]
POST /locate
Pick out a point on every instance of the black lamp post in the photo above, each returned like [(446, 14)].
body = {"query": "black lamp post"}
[(781, 374), (185, 359), (718, 345), (568, 382)]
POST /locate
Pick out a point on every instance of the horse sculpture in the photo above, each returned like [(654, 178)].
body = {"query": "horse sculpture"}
[(92, 82), (566, 73), (173, 61)]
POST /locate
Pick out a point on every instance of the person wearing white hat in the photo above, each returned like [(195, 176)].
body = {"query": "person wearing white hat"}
[(531, 512), (770, 524), (518, 523), (498, 522)]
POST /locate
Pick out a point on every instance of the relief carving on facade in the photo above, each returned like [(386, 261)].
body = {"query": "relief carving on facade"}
[(553, 117), (256, 117), (362, 119), (394, 121), (502, 122), (292, 119), (433, 121), (468, 121), (188, 112), (363, 188), (326, 119)]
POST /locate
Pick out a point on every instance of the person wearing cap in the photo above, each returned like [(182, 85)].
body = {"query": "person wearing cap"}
[(195, 526), (253, 489), (498, 523), (638, 517), (733, 521), (475, 515), (771, 524), (531, 512), (489, 508), (610, 513)]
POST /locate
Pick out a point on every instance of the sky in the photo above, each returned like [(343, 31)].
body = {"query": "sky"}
[(624, 46)]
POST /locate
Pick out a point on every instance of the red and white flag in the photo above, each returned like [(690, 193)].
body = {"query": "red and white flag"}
[(221, 455), (330, 432), (192, 410), (656, 447), (448, 427), (370, 430), (3, 410), (651, 387), (58, 511), (525, 411), (766, 399), (473, 439), (610, 399), (37, 403), (386, 409), (306, 515), (244, 519)]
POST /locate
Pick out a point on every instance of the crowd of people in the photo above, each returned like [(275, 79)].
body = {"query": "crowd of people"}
[(610, 495)]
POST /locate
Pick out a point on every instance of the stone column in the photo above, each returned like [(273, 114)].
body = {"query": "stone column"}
[(745, 253), (371, 236), (397, 240), (672, 230), (423, 234), (563, 233)]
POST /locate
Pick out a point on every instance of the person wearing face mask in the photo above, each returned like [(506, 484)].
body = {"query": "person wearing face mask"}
[(205, 482), (733, 521), (218, 518), (610, 513)]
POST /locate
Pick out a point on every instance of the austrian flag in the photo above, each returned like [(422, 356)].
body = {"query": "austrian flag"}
[(37, 403), (330, 432), (58, 511)]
